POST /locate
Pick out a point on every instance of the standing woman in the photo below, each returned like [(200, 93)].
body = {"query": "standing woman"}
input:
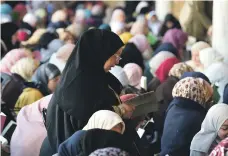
[(86, 86)]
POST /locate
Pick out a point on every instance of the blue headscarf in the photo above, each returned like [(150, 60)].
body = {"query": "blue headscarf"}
[(195, 75), (225, 95), (5, 9), (166, 47), (105, 27)]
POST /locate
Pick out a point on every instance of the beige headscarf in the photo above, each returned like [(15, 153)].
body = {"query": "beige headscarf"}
[(179, 69), (25, 67), (59, 16), (34, 39), (196, 89), (104, 119)]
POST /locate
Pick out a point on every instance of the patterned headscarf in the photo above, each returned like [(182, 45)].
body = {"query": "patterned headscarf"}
[(195, 89), (110, 151), (179, 69)]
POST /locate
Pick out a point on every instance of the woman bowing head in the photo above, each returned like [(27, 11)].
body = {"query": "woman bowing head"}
[(86, 86)]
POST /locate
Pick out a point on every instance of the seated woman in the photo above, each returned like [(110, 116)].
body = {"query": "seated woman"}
[(185, 115), (48, 76), (195, 61), (102, 119), (164, 92), (86, 86), (213, 130)]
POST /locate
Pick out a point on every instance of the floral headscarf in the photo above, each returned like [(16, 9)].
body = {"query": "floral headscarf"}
[(109, 152), (195, 89), (179, 69)]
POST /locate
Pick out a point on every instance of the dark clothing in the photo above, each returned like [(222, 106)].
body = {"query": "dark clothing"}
[(46, 38), (166, 47), (164, 98), (225, 95), (153, 84), (57, 25), (6, 36), (84, 86), (25, 25), (169, 18), (183, 120), (83, 143), (131, 54), (195, 75)]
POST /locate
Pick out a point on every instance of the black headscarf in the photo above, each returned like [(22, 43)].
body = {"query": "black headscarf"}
[(46, 38), (98, 138), (8, 30), (45, 73), (171, 18), (84, 86), (131, 54)]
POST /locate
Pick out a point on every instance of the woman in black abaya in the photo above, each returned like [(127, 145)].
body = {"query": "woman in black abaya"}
[(85, 87)]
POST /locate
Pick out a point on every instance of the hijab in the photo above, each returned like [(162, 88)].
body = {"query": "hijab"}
[(120, 74), (179, 69), (143, 45), (125, 37), (195, 89), (195, 50), (139, 27), (104, 119), (46, 38), (208, 56), (6, 36), (25, 67), (110, 151), (220, 79), (12, 57), (118, 15), (52, 47), (105, 26), (131, 54), (31, 19), (158, 59), (29, 121), (60, 58), (134, 74), (154, 26), (163, 70), (5, 9), (195, 75), (171, 18), (59, 16), (45, 73), (70, 99), (34, 39), (176, 37), (98, 138), (214, 119), (166, 47)]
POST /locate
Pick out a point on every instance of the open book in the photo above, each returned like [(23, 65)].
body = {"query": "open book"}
[(144, 104)]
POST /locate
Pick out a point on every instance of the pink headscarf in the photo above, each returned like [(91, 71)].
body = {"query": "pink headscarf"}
[(134, 74), (141, 43), (177, 37), (12, 57), (162, 72), (30, 132)]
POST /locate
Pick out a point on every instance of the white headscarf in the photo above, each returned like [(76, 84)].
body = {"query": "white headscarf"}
[(104, 119), (120, 74), (218, 75), (31, 19), (158, 59), (214, 119), (208, 56)]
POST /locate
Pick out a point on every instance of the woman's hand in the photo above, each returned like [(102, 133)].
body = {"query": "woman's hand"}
[(126, 110)]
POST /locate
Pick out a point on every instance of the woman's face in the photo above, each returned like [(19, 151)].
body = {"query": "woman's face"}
[(118, 128), (113, 60), (195, 58), (53, 83), (223, 131), (169, 24)]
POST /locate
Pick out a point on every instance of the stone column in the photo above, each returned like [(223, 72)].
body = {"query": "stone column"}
[(163, 7), (220, 28)]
